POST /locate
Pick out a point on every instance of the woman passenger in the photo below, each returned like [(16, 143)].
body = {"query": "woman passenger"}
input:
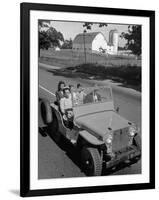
[(59, 92)]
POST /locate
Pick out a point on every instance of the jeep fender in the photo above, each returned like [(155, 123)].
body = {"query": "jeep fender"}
[(61, 125), (90, 138)]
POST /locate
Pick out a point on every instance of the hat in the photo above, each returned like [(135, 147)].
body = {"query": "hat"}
[(66, 88)]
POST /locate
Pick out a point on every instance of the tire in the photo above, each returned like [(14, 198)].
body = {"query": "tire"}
[(46, 111), (91, 161), (137, 142), (54, 129)]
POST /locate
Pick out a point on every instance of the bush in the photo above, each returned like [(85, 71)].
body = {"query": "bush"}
[(129, 74)]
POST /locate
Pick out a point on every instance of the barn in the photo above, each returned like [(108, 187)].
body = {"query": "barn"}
[(96, 42)]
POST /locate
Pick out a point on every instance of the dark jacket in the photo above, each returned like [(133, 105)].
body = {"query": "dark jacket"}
[(59, 95)]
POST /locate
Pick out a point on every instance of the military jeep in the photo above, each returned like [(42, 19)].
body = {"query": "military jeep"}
[(103, 138)]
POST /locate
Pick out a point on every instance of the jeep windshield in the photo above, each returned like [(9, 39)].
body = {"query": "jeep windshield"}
[(92, 95)]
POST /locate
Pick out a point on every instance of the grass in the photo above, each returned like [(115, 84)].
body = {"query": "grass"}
[(123, 69), (66, 58)]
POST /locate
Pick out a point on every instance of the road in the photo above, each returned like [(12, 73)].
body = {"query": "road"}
[(56, 161)]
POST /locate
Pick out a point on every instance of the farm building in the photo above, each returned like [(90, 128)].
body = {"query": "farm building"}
[(96, 42)]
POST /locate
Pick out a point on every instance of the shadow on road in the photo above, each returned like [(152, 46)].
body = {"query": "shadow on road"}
[(64, 145), (74, 154)]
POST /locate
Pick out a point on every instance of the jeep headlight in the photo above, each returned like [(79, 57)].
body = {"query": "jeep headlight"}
[(108, 137), (132, 131)]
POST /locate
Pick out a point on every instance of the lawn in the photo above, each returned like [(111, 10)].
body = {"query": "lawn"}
[(68, 57)]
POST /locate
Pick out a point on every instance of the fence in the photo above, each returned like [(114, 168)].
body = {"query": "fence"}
[(69, 57)]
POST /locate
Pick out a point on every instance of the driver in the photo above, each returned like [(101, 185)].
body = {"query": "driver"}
[(96, 96), (92, 97), (80, 94)]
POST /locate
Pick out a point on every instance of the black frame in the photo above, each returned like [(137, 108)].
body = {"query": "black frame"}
[(25, 96)]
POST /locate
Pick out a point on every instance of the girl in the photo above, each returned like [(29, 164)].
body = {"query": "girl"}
[(59, 92)]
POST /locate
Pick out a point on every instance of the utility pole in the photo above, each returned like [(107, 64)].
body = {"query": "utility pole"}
[(84, 45)]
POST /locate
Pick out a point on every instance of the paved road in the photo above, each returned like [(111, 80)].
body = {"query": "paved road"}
[(62, 160)]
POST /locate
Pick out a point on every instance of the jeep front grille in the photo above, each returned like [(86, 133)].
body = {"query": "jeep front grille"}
[(120, 139)]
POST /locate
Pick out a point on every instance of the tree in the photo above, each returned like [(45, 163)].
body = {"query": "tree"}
[(55, 37), (44, 41), (44, 23), (67, 44), (88, 25), (133, 37), (48, 36)]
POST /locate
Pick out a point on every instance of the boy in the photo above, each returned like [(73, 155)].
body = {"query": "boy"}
[(66, 108)]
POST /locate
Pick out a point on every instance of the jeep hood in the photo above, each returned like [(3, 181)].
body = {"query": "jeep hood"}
[(101, 122)]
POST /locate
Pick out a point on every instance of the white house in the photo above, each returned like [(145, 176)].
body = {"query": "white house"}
[(96, 42)]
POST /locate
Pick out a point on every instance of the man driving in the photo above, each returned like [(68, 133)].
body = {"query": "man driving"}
[(80, 94), (92, 97)]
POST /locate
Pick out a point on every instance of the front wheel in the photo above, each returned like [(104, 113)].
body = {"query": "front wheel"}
[(137, 141), (91, 161), (137, 144)]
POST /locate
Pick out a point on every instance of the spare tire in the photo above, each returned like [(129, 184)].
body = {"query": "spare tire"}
[(137, 141), (46, 111)]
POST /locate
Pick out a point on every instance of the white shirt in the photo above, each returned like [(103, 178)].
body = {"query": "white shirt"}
[(74, 96), (80, 96), (95, 98), (65, 103)]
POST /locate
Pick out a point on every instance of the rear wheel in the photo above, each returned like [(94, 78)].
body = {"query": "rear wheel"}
[(54, 128), (46, 111), (91, 161)]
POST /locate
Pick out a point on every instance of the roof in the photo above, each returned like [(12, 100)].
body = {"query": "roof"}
[(88, 37)]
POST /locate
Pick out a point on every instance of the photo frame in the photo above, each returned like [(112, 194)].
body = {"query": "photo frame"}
[(30, 184)]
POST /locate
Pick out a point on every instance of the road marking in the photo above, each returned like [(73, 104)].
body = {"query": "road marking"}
[(45, 66), (46, 90)]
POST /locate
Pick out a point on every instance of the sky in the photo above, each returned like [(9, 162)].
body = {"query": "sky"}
[(71, 29)]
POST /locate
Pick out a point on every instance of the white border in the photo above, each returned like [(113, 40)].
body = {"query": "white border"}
[(86, 181)]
